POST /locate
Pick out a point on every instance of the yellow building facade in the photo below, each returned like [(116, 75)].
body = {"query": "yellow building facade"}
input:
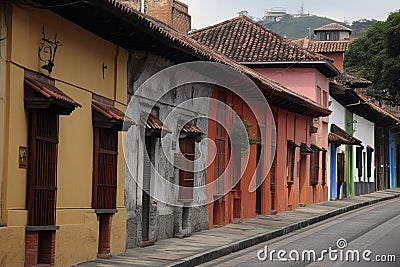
[(86, 69)]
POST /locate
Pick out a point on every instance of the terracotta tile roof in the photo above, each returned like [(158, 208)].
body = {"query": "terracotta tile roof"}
[(333, 27), (361, 105), (275, 93), (190, 128), (154, 123), (323, 46), (48, 90), (243, 40), (340, 136), (385, 114), (111, 112), (349, 80)]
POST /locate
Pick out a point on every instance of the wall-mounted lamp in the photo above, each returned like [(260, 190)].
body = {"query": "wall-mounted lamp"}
[(47, 51)]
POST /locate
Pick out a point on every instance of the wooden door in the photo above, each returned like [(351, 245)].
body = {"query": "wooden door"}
[(341, 170)]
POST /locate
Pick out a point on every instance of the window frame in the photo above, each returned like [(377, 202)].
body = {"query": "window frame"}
[(314, 166), (104, 193), (42, 167), (290, 161), (186, 178), (370, 150), (323, 167), (359, 161)]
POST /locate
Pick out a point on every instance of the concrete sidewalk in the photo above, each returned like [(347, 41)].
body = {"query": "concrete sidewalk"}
[(211, 244)]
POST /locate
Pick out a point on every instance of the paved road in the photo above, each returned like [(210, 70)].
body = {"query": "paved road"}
[(375, 228)]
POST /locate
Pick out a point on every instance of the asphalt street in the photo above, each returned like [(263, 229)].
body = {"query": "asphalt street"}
[(369, 236)]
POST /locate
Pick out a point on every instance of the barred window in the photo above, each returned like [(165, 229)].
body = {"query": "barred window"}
[(42, 172), (324, 167), (359, 163), (369, 161), (105, 168), (186, 177), (314, 166), (290, 160)]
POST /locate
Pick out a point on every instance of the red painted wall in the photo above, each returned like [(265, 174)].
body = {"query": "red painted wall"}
[(306, 81), (337, 59), (240, 194), (289, 126)]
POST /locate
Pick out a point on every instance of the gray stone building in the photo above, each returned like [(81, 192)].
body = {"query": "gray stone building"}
[(149, 217)]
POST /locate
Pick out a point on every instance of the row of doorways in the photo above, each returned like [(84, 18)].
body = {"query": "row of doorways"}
[(303, 185)]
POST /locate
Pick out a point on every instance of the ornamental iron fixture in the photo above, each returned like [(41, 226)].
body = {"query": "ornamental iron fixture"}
[(47, 51)]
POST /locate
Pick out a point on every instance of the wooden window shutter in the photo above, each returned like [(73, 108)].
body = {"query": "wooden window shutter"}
[(291, 150), (324, 167), (219, 166), (359, 160), (314, 168), (42, 173), (186, 178), (316, 174), (105, 168), (293, 160)]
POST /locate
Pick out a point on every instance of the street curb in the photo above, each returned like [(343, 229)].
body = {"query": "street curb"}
[(257, 239)]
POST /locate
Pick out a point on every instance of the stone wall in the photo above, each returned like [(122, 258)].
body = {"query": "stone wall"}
[(172, 219)]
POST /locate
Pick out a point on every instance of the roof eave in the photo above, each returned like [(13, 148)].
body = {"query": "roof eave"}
[(325, 67), (366, 110), (295, 104)]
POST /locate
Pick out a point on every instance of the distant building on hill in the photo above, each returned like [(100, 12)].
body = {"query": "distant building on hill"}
[(274, 14), (333, 32)]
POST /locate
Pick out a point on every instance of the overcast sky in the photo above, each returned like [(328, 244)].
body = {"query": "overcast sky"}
[(209, 12)]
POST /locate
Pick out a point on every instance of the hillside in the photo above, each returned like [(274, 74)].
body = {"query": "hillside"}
[(297, 27)]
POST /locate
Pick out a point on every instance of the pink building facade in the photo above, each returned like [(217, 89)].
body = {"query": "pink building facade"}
[(304, 72), (311, 83)]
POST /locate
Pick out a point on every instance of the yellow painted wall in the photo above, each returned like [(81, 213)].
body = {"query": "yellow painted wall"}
[(75, 152), (78, 73), (122, 76), (76, 241), (12, 244), (18, 136), (3, 55), (80, 58), (118, 232)]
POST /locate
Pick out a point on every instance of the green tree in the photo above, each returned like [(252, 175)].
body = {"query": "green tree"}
[(376, 57), (361, 26)]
